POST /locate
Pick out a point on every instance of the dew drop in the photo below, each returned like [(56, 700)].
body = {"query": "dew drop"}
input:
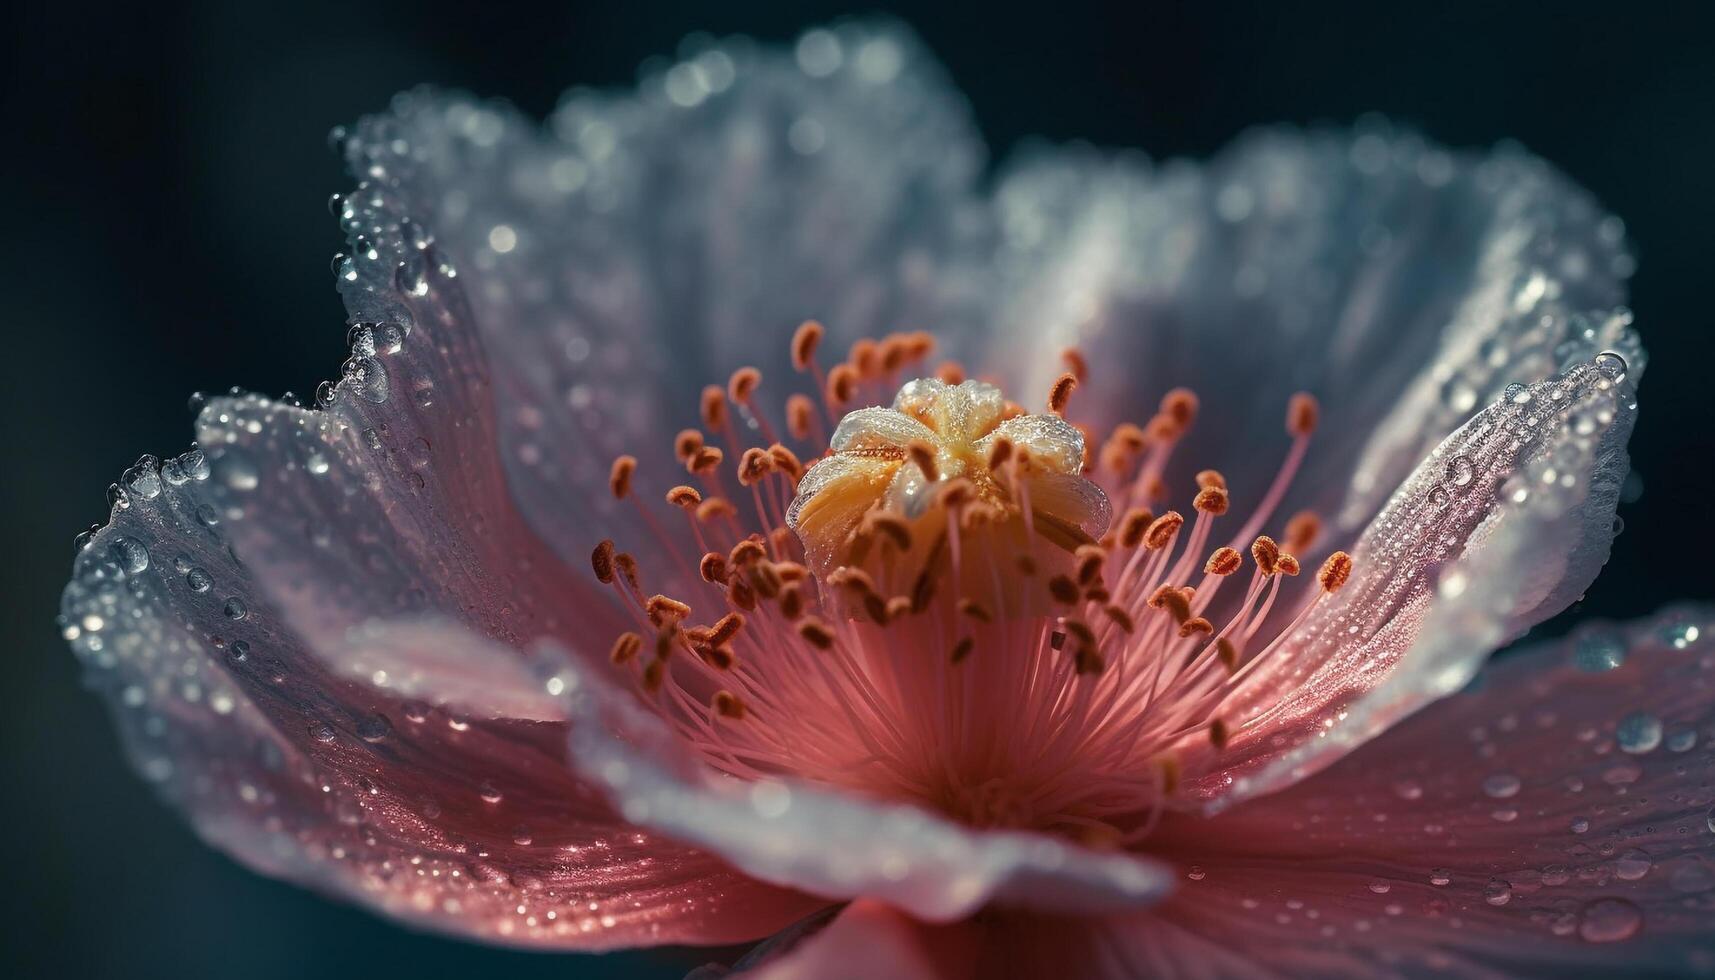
[(1501, 785), (1460, 471), (374, 728), (489, 793), (198, 580), (1196, 873), (1598, 650), (131, 555), (1440, 877), (235, 608), (1612, 366), (1638, 732), (1498, 891), (1609, 920), (1632, 865), (1381, 886)]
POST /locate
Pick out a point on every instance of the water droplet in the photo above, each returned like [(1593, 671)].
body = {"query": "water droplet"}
[(1381, 886), (1439, 497), (1501, 785), (198, 580), (1498, 891), (1518, 394), (131, 555), (1682, 738), (316, 464), (1609, 920), (1195, 873), (144, 479), (322, 732), (1612, 366), (1460, 471), (235, 608), (489, 793), (374, 728), (239, 651), (1597, 650), (1580, 825), (1638, 732), (1632, 865), (1680, 635), (1440, 877), (1408, 789)]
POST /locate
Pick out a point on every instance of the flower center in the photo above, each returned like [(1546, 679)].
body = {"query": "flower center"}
[(944, 608)]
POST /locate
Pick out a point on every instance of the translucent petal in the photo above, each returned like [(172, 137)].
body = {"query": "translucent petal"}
[(960, 413), (647, 242), (878, 430), (827, 843), (1051, 441), (227, 614), (1398, 281), (1506, 523)]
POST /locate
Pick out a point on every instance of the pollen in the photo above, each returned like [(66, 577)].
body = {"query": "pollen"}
[(1225, 561), (1334, 571), (804, 343), (742, 385), (714, 408), (1301, 414), (1061, 393)]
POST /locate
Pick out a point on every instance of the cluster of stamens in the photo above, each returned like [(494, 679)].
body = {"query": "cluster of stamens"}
[(942, 604)]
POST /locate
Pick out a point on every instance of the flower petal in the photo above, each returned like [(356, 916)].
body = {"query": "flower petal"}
[(1506, 523), (1551, 818), (643, 241), (1394, 279), (868, 939), (246, 718), (827, 843)]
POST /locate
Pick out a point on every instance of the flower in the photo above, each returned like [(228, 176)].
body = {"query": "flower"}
[(969, 679)]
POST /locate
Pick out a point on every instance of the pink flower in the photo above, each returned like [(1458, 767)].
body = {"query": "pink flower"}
[(987, 689)]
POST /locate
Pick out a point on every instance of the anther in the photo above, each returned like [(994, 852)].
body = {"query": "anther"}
[(1211, 500), (1266, 554), (1301, 414), (683, 496), (1218, 733), (1119, 617), (804, 343), (999, 453), (1061, 393), (1211, 478), (1063, 589), (713, 568), (800, 416), (1225, 561), (1133, 526), (1302, 531), (864, 357), (951, 372), (720, 658), (792, 602), (654, 675), (725, 628), (742, 385), (1080, 631), (740, 594), (625, 648), (957, 492), (1169, 774), (727, 705), (842, 383), (714, 408), (1196, 625), (619, 476), (765, 580), (686, 444), (627, 567), (975, 610), (1174, 601), (745, 552), (666, 610), (962, 649), (1075, 364), (1287, 564), (923, 455), (1162, 530), (895, 350), (816, 633), (1090, 559), (892, 526), (1180, 405), (754, 466), (705, 460), (601, 561), (1335, 571), (899, 605), (1227, 654), (714, 509)]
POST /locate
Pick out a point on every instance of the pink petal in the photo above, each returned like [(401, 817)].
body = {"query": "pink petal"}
[(1506, 523), (868, 939), (645, 243), (1398, 281), (1551, 816), (818, 840), (245, 716)]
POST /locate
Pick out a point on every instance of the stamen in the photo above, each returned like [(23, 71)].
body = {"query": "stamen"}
[(727, 705), (1335, 571), (714, 408), (800, 417), (1076, 364), (625, 648), (686, 444), (923, 455), (1061, 393), (951, 372), (1211, 500), (683, 496), (1225, 561), (1266, 554), (619, 476), (1162, 529), (804, 344), (1301, 414), (817, 633), (1301, 531), (713, 568), (742, 385), (601, 561), (842, 384)]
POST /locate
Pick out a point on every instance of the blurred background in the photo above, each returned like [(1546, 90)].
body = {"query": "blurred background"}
[(167, 174)]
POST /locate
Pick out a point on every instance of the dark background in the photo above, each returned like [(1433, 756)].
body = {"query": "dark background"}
[(167, 175)]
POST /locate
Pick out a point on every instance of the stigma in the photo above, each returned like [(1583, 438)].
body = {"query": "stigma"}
[(925, 591)]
